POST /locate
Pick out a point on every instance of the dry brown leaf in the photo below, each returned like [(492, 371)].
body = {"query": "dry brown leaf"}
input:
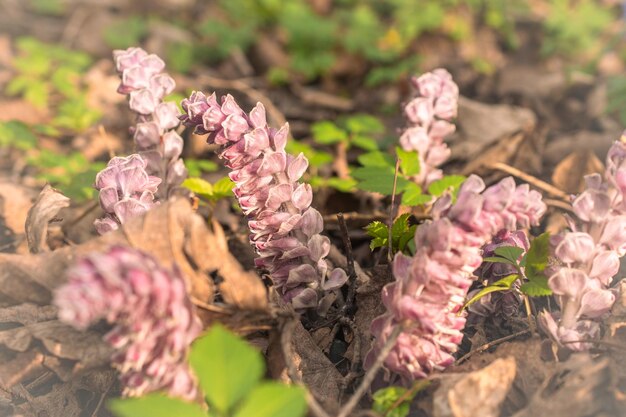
[(15, 201), (569, 174), (478, 393), (579, 387), (46, 207), (482, 125)]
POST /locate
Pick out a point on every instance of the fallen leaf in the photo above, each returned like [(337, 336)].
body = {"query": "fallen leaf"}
[(569, 174), (47, 205), (478, 393)]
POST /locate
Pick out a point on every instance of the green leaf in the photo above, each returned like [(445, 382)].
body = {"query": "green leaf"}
[(413, 196), (344, 185), (364, 142), (536, 258), (126, 32), (155, 405), (379, 232), (198, 186), (196, 167), (316, 158), (379, 180), (328, 133), (226, 366), (223, 188), (511, 253), (409, 162), (538, 287), (376, 158), (448, 182), (271, 399), (364, 123), (17, 134), (503, 284), (402, 232), (385, 398), (500, 260)]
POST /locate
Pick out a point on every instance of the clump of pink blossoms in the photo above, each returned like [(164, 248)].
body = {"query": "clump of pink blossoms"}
[(126, 190), (589, 256), (431, 286), (430, 115), (285, 229), (156, 140), (152, 317)]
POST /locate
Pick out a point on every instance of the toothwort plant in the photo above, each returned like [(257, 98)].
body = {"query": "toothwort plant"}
[(285, 229), (589, 255), (429, 116), (152, 317), (430, 287), (501, 303), (156, 140), (126, 190)]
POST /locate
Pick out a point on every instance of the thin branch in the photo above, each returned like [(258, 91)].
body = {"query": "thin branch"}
[(371, 373), (490, 345), (542, 185), (393, 200), (347, 243)]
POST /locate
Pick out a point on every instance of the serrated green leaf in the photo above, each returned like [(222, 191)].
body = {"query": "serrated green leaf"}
[(364, 142), (538, 287), (378, 179), (453, 182), (503, 284), (400, 225), (406, 238), (328, 133), (536, 258), (376, 158), (198, 186), (155, 405), (226, 366), (409, 162), (412, 196), (511, 253), (271, 399), (379, 232)]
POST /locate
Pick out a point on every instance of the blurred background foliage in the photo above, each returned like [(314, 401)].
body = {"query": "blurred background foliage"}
[(341, 47)]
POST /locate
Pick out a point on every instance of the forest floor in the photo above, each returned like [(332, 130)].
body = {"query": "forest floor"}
[(539, 119)]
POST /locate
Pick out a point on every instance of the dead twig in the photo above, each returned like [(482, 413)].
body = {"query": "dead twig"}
[(347, 243), (491, 344), (371, 373), (391, 206), (536, 182)]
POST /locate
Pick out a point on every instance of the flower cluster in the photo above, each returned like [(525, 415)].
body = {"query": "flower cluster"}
[(500, 303), (285, 230), (430, 287), (429, 115), (153, 320), (126, 190), (155, 137), (589, 256)]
